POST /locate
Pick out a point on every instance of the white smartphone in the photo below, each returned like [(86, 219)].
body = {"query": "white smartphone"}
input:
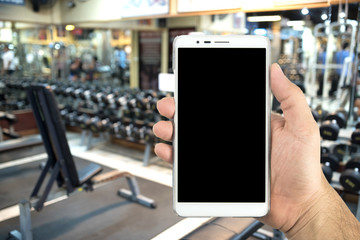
[(222, 126)]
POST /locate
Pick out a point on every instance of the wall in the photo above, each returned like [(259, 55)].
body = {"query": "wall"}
[(91, 11), (110, 10), (26, 14)]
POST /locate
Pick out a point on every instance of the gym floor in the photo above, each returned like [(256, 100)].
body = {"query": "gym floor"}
[(96, 215), (100, 214)]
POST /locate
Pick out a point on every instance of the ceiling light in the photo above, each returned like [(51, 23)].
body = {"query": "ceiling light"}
[(69, 27), (272, 18), (304, 11), (57, 46)]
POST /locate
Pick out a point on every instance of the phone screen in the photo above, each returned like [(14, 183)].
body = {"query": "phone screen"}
[(221, 124)]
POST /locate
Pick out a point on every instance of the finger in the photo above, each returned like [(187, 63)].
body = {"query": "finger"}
[(293, 103), (164, 151), (163, 130), (166, 107)]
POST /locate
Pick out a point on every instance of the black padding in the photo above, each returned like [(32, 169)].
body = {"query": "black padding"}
[(52, 130), (225, 228), (87, 172)]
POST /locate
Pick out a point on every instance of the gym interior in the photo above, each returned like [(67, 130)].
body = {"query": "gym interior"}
[(79, 83)]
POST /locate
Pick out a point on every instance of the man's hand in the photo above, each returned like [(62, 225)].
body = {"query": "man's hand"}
[(300, 194)]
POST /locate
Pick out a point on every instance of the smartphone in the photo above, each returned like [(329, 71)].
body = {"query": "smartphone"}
[(222, 126)]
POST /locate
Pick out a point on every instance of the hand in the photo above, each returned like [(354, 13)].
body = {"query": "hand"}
[(296, 175), (298, 186), (164, 129)]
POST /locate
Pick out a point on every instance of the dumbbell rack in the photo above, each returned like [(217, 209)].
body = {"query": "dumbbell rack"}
[(133, 108), (340, 189), (88, 136), (344, 153)]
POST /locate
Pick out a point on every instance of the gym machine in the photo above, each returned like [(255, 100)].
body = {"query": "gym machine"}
[(61, 165), (326, 33)]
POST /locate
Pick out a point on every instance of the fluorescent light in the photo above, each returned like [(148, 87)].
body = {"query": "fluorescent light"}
[(69, 27), (272, 18), (295, 23), (260, 31)]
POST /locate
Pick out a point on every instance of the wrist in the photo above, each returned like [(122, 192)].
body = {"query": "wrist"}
[(314, 215), (325, 217)]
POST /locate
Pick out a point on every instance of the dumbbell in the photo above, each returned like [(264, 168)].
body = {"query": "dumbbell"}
[(343, 149), (68, 92), (70, 118), (355, 136), (110, 98), (149, 136), (85, 94), (97, 97), (118, 129), (77, 93), (121, 100), (138, 114), (350, 178), (98, 125), (137, 133), (83, 121), (151, 116), (329, 129), (315, 115), (330, 163)]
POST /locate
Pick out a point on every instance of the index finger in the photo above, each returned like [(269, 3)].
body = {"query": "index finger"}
[(166, 107)]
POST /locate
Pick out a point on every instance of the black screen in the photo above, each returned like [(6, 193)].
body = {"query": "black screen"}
[(221, 124)]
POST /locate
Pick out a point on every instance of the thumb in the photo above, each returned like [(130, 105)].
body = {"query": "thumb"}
[(296, 111)]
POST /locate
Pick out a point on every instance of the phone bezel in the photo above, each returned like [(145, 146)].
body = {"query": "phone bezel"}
[(205, 209)]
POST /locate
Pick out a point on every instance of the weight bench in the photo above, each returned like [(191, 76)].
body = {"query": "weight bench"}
[(233, 229), (61, 165)]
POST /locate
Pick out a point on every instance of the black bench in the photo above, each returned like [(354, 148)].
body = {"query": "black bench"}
[(232, 229), (60, 160)]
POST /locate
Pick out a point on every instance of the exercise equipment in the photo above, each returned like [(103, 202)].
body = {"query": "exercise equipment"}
[(343, 149), (234, 229), (61, 165), (330, 163), (355, 137), (329, 129), (326, 35), (9, 132), (104, 111), (350, 178), (15, 141)]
